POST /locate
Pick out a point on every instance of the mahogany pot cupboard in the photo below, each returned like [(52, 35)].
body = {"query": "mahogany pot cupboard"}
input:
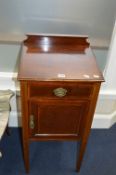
[(60, 82)]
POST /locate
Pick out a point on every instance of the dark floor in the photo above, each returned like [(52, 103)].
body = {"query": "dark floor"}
[(59, 158)]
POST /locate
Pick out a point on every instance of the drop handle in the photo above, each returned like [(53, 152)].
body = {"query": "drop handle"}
[(32, 122), (60, 92)]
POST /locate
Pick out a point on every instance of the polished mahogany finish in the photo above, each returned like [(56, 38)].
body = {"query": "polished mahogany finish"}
[(60, 83)]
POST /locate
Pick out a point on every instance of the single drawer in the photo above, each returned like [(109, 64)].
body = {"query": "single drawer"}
[(60, 89)]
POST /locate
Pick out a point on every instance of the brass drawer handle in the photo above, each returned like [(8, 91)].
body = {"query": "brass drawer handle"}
[(60, 92), (31, 122)]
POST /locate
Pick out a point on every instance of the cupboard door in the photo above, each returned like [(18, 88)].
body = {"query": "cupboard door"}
[(56, 117)]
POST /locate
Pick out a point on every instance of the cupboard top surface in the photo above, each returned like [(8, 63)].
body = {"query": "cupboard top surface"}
[(58, 58)]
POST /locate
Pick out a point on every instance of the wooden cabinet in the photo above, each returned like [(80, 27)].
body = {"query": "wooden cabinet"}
[(60, 83)]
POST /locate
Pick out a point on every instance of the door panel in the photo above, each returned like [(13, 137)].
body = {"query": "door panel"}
[(57, 118)]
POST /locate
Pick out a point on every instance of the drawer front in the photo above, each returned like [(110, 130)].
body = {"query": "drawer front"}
[(60, 90)]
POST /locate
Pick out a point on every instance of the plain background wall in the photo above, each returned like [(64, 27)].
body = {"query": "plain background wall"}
[(92, 17)]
